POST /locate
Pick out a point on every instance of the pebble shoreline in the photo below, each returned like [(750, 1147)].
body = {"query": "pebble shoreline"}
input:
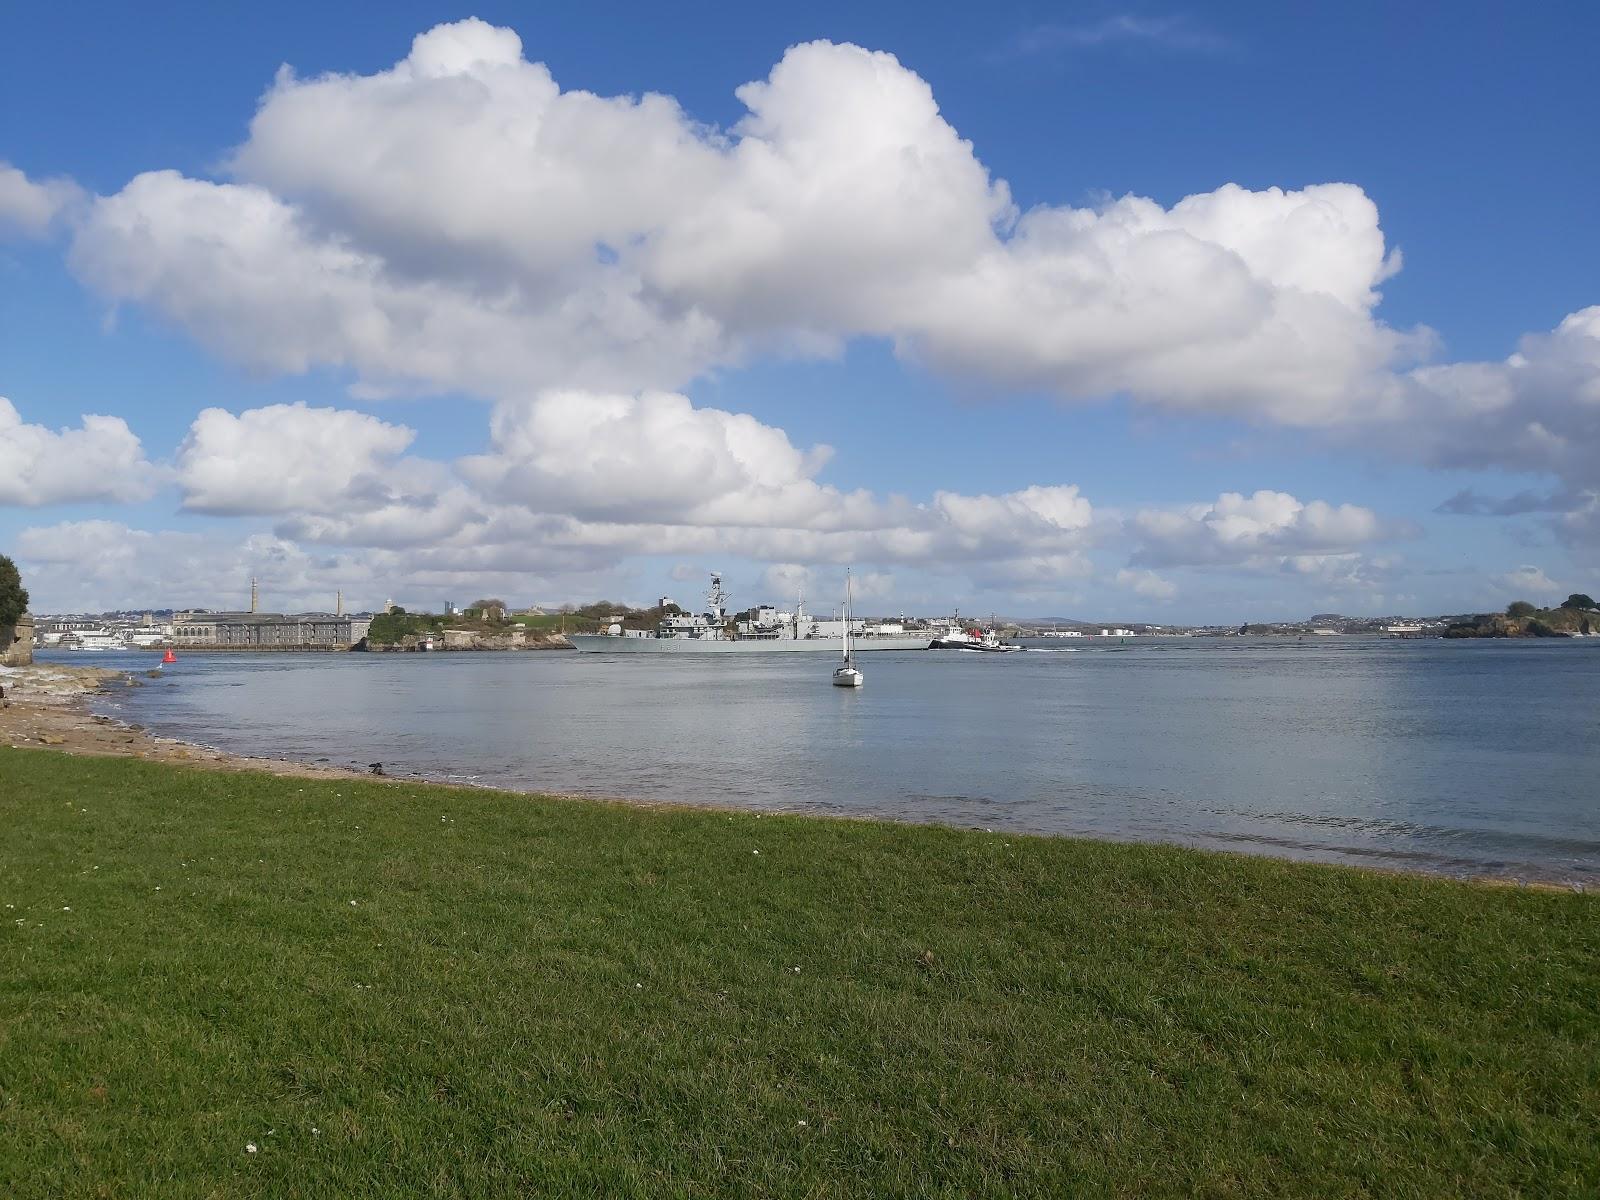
[(46, 706)]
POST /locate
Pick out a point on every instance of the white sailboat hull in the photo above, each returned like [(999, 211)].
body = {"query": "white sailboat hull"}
[(845, 674)]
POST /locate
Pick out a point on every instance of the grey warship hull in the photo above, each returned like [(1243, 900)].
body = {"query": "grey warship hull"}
[(602, 643)]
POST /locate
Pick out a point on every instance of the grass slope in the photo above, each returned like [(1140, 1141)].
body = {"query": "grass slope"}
[(428, 992)]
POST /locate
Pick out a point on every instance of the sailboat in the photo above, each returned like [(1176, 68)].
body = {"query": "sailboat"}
[(846, 674)]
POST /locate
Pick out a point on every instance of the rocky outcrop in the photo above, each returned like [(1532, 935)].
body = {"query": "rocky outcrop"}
[(512, 639), (471, 639), (467, 639), (1547, 623)]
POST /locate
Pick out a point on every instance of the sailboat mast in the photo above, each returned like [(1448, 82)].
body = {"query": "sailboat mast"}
[(847, 616)]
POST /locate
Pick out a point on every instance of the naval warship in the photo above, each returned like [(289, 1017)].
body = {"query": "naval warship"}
[(707, 633)]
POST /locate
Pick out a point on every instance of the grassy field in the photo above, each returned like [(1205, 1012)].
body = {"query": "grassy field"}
[(408, 991)]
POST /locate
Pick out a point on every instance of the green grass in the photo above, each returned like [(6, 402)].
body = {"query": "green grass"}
[(548, 623), (407, 991)]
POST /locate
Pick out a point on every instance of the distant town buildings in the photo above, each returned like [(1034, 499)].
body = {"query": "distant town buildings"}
[(201, 630)]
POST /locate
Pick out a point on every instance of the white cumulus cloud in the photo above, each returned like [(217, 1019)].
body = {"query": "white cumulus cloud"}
[(98, 564), (31, 208), (1035, 514), (653, 457), (1537, 410), (288, 458), (460, 221), (251, 277), (333, 476), (101, 460), (1528, 580), (1239, 529), (590, 479), (658, 474), (1146, 583)]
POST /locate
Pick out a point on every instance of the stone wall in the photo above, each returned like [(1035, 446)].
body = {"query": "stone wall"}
[(16, 644)]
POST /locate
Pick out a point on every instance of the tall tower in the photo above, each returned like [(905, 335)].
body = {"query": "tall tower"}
[(338, 603), (254, 595)]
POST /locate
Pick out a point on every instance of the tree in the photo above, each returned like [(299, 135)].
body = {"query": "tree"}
[(492, 612), (1520, 609), (1578, 600), (13, 596)]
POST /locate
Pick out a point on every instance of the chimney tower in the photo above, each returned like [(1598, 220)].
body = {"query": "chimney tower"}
[(254, 595), (338, 603)]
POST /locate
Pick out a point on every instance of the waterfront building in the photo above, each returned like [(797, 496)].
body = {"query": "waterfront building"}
[(266, 631), (53, 629)]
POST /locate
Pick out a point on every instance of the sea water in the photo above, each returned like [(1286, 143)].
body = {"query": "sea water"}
[(1475, 757)]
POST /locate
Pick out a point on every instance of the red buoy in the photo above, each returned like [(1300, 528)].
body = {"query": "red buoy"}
[(169, 656)]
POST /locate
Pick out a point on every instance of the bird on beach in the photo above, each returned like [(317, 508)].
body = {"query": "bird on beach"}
[(375, 768)]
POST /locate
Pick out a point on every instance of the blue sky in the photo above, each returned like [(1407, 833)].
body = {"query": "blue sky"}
[(994, 443)]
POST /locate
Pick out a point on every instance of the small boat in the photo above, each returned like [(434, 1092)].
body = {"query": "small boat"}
[(847, 675), (978, 641)]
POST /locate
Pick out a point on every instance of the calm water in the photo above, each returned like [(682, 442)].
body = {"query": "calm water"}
[(1464, 757)]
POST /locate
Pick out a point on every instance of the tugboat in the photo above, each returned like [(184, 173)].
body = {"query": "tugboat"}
[(976, 640)]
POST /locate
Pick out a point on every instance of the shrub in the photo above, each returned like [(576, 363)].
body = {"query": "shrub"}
[(13, 596)]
